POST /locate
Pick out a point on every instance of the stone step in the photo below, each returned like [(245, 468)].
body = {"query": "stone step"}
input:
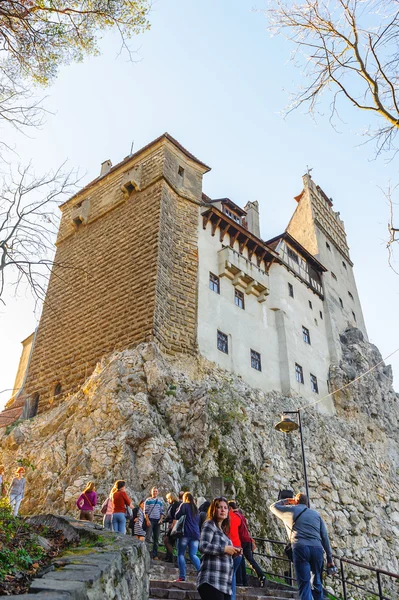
[(279, 597), (244, 592), (184, 590)]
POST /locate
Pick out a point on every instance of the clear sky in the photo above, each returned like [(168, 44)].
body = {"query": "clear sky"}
[(210, 74)]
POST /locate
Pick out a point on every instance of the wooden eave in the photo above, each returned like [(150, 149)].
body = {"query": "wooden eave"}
[(300, 249), (240, 211), (237, 232)]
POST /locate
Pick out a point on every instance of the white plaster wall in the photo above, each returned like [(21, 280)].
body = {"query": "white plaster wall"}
[(340, 317), (313, 358), (252, 328), (256, 328)]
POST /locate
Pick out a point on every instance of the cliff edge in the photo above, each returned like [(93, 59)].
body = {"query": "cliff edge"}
[(150, 421)]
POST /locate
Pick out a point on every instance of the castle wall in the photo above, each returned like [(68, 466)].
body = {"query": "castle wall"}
[(291, 315), (103, 301), (321, 231), (251, 328), (126, 274), (273, 328)]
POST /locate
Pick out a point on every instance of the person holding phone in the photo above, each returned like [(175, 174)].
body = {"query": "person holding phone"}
[(215, 576)]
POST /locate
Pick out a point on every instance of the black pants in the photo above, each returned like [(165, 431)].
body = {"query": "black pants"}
[(247, 551), (153, 533), (208, 592), (169, 544)]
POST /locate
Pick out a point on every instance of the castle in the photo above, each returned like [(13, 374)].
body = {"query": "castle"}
[(143, 254)]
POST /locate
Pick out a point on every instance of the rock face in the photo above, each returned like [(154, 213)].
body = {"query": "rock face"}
[(146, 420)]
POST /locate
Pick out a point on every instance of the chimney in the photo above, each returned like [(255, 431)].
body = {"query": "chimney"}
[(105, 167), (252, 210)]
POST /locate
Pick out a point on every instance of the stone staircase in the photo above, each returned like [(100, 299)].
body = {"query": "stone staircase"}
[(163, 586)]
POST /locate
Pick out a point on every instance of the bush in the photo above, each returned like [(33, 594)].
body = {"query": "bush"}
[(18, 548)]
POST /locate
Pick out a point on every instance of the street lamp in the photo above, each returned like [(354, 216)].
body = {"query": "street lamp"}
[(286, 425)]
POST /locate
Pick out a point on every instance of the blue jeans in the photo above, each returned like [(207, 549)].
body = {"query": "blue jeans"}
[(107, 522), (182, 544), (15, 501), (119, 522), (308, 563), (236, 563)]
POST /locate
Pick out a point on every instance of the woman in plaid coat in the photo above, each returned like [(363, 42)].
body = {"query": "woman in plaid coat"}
[(216, 572)]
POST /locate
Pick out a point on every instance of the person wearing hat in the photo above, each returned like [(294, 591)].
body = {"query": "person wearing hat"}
[(17, 490)]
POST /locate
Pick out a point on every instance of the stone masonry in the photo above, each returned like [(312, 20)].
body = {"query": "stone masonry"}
[(125, 269)]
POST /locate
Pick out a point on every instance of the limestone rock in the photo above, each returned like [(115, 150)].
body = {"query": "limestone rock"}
[(177, 424)]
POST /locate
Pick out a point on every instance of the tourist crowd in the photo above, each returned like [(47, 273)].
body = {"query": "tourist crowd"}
[(217, 529)]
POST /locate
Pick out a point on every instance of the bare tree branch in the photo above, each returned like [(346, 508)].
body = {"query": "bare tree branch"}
[(350, 47), (28, 226)]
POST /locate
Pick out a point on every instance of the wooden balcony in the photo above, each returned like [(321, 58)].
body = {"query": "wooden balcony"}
[(243, 273)]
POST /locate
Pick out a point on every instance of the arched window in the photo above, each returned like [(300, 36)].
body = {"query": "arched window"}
[(57, 389)]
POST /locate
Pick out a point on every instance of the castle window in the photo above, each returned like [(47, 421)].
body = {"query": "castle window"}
[(255, 361), (291, 290), (57, 389), (181, 172), (292, 255), (321, 315), (354, 316), (333, 275), (299, 373), (310, 305), (223, 342), (239, 299), (341, 303), (33, 406), (77, 222), (328, 246), (214, 283), (306, 335), (316, 323), (313, 384), (344, 264), (350, 296)]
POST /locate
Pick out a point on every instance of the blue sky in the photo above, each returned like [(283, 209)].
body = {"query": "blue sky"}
[(210, 74)]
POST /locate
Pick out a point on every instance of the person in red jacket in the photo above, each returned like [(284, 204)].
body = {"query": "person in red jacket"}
[(248, 546), (119, 501), (234, 535)]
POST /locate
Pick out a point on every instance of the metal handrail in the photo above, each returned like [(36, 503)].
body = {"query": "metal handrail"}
[(342, 577)]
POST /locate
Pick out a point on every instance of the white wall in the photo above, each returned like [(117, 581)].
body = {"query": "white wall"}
[(252, 328), (272, 328), (295, 313)]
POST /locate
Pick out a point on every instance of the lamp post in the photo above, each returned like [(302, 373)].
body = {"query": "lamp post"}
[(286, 425)]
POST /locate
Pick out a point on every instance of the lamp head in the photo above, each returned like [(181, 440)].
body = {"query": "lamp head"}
[(286, 425)]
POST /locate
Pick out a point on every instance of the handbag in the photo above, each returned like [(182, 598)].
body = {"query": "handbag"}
[(288, 547), (178, 528), (104, 506)]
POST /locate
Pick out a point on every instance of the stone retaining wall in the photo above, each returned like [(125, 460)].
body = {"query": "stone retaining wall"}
[(116, 568)]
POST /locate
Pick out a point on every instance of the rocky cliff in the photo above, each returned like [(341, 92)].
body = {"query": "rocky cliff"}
[(144, 419)]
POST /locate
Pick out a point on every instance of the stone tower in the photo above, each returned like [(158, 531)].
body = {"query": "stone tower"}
[(125, 269), (321, 231)]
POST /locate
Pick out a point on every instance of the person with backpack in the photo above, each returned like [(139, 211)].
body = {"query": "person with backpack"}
[(86, 502), (309, 538), (153, 510), (248, 546), (191, 534)]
